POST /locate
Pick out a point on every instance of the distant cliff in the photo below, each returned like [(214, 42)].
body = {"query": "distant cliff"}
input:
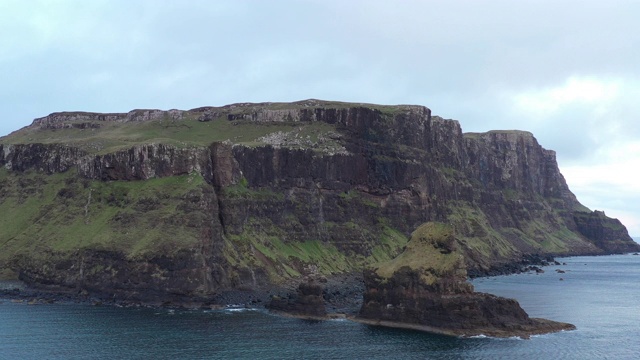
[(157, 205)]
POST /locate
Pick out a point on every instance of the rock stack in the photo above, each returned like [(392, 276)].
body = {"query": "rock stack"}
[(425, 288), (308, 302)]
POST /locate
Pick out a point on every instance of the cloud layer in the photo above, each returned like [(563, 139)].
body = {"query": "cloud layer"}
[(565, 70)]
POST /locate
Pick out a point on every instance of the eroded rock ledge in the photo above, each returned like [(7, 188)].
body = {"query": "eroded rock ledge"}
[(425, 288)]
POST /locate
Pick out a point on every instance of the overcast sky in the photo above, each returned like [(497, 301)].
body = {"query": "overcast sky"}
[(568, 71)]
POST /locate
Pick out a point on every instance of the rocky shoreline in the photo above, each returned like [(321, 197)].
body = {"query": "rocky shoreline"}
[(33, 297), (342, 292), (342, 297)]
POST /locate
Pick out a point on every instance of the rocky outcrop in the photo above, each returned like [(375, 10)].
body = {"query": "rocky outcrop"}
[(80, 119), (47, 158), (606, 233), (514, 160), (146, 162), (308, 302), (425, 288)]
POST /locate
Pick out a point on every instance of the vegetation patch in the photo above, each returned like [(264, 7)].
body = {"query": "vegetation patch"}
[(108, 137), (243, 191), (475, 232), (358, 197), (432, 252), (64, 214), (286, 258)]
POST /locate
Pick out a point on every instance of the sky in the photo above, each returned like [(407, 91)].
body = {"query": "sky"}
[(568, 71)]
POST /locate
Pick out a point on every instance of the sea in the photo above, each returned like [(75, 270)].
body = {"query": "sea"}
[(600, 295)]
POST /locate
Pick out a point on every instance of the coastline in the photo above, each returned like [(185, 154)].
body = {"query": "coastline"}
[(343, 293), (15, 290)]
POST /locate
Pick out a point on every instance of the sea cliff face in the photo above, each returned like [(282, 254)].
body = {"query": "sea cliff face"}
[(180, 204)]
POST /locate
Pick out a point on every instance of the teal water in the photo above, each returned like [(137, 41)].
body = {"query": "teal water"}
[(600, 295)]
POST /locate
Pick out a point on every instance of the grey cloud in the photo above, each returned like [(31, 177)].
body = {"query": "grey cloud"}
[(463, 59)]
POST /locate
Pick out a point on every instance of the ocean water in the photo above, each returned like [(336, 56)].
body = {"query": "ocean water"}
[(600, 295)]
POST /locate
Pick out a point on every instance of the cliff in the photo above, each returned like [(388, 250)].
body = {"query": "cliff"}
[(171, 205)]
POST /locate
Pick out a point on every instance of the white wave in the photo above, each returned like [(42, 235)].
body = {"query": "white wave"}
[(239, 309), (483, 336)]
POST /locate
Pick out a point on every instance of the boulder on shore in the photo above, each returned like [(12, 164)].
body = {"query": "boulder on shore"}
[(308, 302)]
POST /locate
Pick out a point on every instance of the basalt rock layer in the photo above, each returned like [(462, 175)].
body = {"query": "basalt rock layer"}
[(425, 288), (178, 204)]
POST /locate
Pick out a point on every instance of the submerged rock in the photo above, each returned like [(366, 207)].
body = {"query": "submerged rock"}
[(425, 288)]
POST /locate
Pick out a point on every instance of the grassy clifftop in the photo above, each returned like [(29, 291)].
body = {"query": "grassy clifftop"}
[(107, 137)]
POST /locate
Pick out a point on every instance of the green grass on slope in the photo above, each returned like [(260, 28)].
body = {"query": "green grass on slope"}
[(104, 137), (282, 258), (474, 231), (431, 251), (53, 217), (537, 232), (44, 215), (111, 136)]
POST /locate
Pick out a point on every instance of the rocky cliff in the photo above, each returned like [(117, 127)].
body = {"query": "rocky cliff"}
[(169, 205)]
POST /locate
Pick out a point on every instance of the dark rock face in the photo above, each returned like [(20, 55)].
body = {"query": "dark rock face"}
[(145, 162), (404, 298), (307, 302), (49, 159)]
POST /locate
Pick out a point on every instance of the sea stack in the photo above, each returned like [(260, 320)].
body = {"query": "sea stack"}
[(425, 288)]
